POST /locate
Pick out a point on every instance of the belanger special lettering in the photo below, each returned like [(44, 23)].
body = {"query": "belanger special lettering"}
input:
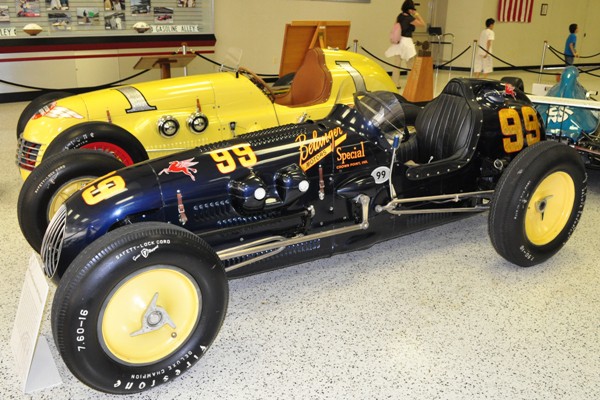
[(316, 148), (353, 154)]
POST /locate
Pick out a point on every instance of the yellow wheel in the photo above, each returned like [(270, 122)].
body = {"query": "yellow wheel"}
[(537, 203), (66, 191), (138, 307), (549, 208), (149, 315), (51, 184)]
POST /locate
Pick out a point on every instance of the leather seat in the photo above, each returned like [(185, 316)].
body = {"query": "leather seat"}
[(447, 132), (312, 82)]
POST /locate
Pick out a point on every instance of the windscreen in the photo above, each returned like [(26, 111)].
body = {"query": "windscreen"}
[(383, 109)]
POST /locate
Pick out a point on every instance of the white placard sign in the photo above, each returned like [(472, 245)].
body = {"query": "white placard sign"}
[(175, 28), (33, 361), (8, 31)]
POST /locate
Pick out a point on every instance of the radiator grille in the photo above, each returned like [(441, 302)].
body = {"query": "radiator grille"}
[(53, 240), (27, 154)]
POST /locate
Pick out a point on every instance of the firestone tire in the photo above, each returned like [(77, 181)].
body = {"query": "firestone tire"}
[(52, 182), (139, 307), (35, 105), (537, 203)]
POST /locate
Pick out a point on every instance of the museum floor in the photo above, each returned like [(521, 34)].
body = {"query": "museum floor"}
[(434, 315)]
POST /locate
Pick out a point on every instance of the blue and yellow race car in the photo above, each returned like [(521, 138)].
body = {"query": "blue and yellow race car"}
[(142, 255)]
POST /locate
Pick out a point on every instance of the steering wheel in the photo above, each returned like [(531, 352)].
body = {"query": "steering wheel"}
[(259, 82)]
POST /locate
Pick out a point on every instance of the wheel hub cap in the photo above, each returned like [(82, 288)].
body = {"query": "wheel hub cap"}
[(154, 318)]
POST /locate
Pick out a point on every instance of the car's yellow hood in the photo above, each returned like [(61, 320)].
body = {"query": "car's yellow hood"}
[(162, 95), (55, 118)]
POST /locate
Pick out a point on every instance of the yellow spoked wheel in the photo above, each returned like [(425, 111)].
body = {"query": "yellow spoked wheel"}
[(149, 315), (66, 191), (550, 208), (51, 184)]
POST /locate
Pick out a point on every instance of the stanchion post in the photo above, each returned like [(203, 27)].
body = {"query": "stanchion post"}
[(542, 63), (437, 61), (355, 46), (474, 47), (184, 51), (437, 70)]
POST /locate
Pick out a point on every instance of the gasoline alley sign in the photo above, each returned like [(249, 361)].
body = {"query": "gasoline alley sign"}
[(175, 28), (8, 31)]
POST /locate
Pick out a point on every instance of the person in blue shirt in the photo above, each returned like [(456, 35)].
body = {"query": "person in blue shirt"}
[(570, 52)]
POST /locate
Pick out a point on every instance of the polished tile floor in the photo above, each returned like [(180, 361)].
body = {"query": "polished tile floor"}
[(434, 315)]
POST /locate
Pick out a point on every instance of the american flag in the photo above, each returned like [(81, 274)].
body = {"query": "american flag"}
[(515, 10)]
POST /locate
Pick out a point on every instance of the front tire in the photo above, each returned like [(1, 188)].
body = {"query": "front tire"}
[(138, 307), (102, 136), (52, 183), (35, 105), (537, 203)]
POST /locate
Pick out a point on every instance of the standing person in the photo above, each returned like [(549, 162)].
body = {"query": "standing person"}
[(405, 50), (570, 52), (483, 60)]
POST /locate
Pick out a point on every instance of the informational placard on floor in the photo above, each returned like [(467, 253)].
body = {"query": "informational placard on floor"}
[(33, 361)]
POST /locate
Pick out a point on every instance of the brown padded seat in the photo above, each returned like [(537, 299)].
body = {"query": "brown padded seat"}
[(312, 82)]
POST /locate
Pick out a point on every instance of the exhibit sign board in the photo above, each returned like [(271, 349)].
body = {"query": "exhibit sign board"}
[(300, 36), (107, 21), (33, 361)]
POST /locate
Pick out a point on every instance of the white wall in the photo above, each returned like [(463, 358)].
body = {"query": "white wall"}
[(522, 43), (257, 26)]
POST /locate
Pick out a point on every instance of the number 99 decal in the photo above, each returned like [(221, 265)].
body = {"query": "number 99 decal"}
[(102, 189), (226, 159), (512, 128)]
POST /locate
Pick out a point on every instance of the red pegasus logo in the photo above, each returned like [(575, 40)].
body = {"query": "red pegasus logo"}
[(181, 166), (510, 90)]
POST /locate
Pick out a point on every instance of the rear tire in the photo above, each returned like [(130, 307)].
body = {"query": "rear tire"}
[(138, 307), (52, 183), (537, 203)]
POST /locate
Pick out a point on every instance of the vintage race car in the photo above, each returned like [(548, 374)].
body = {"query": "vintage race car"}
[(142, 255), (146, 120), (571, 116), (137, 122)]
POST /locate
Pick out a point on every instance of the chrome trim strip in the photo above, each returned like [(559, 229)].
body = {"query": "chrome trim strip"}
[(391, 206), (279, 243)]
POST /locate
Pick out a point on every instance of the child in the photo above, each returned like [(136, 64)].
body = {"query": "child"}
[(570, 52), (483, 61)]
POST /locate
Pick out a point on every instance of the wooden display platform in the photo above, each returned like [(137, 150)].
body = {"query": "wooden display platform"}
[(165, 63), (301, 36), (419, 84)]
